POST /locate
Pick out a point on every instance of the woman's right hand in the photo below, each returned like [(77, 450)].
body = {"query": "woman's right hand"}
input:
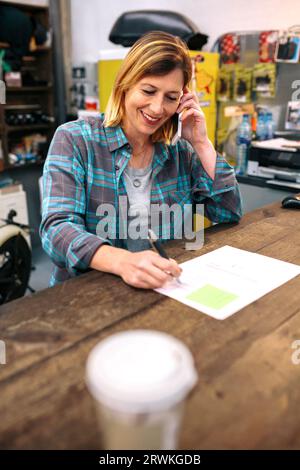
[(146, 269)]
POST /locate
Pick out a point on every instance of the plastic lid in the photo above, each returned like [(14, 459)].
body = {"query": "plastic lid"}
[(140, 371)]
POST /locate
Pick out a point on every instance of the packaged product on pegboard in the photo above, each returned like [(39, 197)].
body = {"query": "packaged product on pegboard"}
[(230, 48), (267, 45)]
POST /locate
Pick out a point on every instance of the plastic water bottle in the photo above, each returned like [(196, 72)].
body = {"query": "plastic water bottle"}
[(270, 126), (244, 134), (261, 128)]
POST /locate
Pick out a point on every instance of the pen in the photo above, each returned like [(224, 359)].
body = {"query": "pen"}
[(158, 248)]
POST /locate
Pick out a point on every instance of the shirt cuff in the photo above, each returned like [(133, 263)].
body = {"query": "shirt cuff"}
[(85, 250), (225, 179)]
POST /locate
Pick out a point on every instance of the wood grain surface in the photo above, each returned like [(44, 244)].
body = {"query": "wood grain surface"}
[(248, 392)]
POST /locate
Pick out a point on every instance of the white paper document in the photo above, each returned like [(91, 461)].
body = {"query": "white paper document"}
[(225, 280)]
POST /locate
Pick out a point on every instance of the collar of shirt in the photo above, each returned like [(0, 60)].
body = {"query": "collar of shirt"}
[(117, 140)]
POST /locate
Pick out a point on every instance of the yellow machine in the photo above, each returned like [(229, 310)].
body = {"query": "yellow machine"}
[(108, 67)]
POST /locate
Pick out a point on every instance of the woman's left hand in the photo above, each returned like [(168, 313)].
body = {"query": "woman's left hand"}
[(193, 120)]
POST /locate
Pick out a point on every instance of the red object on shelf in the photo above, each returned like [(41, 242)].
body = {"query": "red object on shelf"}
[(230, 48), (267, 46), (91, 103), (13, 79)]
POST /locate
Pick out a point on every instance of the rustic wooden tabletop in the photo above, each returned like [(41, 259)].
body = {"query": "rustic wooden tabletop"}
[(248, 392)]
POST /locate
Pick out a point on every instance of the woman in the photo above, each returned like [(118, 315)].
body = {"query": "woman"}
[(98, 163)]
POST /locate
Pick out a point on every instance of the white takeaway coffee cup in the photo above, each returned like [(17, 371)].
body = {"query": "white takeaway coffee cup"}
[(139, 380)]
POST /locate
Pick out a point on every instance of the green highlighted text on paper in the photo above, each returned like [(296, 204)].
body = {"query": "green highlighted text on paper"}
[(212, 297)]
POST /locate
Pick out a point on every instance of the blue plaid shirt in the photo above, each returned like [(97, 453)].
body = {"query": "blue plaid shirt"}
[(84, 168)]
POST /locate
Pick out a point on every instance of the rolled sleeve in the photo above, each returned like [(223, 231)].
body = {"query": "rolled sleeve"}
[(221, 195), (63, 232)]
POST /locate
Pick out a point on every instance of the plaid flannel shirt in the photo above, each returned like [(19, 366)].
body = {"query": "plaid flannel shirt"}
[(84, 168)]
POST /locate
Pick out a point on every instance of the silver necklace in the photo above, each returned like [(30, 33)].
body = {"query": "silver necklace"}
[(136, 181)]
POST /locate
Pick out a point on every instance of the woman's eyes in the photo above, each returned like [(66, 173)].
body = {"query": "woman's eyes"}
[(148, 92), (151, 92)]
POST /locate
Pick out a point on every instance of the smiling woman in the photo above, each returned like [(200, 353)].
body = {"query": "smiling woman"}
[(99, 163), (165, 59)]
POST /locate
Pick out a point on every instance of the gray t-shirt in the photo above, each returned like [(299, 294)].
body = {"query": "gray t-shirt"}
[(138, 182)]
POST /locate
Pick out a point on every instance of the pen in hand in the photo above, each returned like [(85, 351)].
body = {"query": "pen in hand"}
[(158, 248)]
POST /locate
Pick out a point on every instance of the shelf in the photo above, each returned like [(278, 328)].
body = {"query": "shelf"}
[(28, 58), (25, 165), (41, 49), (28, 127), (28, 7), (25, 89), (21, 107), (5, 45), (35, 94)]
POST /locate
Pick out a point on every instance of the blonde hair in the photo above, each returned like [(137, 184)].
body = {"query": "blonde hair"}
[(155, 53)]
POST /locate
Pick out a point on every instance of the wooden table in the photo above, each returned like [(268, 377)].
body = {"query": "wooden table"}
[(248, 394)]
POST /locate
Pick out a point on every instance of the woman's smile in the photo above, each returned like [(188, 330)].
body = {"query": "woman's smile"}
[(150, 120)]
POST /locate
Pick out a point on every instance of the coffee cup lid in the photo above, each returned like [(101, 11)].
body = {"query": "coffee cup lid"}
[(140, 371)]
